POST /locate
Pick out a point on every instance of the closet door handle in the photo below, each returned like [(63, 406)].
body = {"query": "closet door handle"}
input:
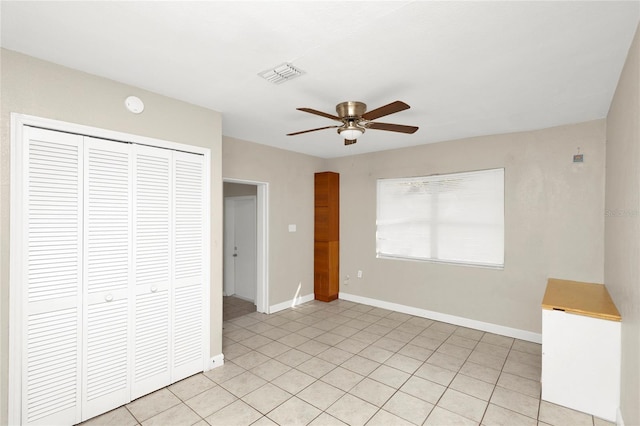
[(108, 297), (154, 288)]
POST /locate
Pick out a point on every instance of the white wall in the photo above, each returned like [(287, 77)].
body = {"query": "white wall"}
[(554, 225), (622, 225), (35, 87)]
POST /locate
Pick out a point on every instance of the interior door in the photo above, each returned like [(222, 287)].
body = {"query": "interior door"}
[(52, 273), (240, 247), (152, 264), (188, 272), (106, 275)]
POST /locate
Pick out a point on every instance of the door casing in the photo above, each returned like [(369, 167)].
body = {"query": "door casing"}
[(262, 239)]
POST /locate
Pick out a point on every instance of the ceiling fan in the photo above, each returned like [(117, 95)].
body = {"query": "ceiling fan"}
[(356, 119)]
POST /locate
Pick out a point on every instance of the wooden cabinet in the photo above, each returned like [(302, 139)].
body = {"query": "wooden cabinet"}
[(326, 236), (581, 333)]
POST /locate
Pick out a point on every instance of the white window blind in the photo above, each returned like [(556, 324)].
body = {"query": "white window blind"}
[(454, 218)]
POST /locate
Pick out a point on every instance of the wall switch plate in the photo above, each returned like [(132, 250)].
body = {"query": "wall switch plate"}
[(359, 274), (292, 228)]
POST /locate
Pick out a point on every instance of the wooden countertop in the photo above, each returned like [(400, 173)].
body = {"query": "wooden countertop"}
[(592, 300)]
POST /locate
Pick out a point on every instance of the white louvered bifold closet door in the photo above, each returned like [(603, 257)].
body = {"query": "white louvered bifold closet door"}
[(107, 268), (188, 274), (152, 263), (112, 260), (52, 299)]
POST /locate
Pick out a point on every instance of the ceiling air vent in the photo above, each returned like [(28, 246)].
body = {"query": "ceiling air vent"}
[(281, 73)]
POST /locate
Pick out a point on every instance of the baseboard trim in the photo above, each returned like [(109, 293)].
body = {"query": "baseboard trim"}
[(215, 362), (451, 319), (290, 303), (619, 421)]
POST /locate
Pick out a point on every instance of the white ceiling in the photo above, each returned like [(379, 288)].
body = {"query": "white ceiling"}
[(466, 68)]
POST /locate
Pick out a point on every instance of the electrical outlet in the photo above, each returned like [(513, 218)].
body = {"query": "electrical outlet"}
[(359, 274)]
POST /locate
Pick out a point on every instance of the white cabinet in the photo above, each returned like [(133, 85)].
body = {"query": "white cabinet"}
[(112, 284), (581, 348)]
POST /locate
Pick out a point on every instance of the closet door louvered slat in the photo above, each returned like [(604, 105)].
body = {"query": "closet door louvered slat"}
[(188, 260), (52, 277), (152, 275), (107, 268)]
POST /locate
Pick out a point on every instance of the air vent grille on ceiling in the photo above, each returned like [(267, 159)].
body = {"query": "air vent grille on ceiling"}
[(281, 73)]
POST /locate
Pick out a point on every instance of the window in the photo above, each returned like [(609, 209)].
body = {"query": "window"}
[(454, 218)]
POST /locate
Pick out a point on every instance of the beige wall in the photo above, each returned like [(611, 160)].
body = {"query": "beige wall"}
[(554, 222), (35, 87), (622, 225), (554, 225), (290, 179), (230, 189)]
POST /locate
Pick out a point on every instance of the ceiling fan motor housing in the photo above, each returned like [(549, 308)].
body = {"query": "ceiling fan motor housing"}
[(351, 113), (351, 109)]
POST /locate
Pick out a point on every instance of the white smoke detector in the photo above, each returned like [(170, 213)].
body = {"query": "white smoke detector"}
[(134, 104)]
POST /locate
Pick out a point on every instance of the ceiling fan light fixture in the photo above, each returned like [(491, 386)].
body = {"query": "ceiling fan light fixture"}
[(351, 133), (351, 130)]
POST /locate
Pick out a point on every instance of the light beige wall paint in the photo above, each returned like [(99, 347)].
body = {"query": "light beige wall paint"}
[(290, 179), (230, 189), (553, 223), (35, 87), (622, 224)]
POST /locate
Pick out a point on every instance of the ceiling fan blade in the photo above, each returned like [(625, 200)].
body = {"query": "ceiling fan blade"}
[(350, 141), (320, 113), (311, 130), (392, 127), (391, 108)]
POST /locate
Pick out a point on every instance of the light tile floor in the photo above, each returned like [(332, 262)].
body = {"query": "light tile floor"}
[(234, 307), (345, 363)]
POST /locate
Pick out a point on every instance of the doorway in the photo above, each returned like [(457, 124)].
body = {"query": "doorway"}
[(245, 247), (240, 275)]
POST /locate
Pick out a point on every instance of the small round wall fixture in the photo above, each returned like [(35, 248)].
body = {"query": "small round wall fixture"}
[(134, 104)]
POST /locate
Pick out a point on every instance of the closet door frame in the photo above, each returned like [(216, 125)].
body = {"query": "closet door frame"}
[(17, 243)]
